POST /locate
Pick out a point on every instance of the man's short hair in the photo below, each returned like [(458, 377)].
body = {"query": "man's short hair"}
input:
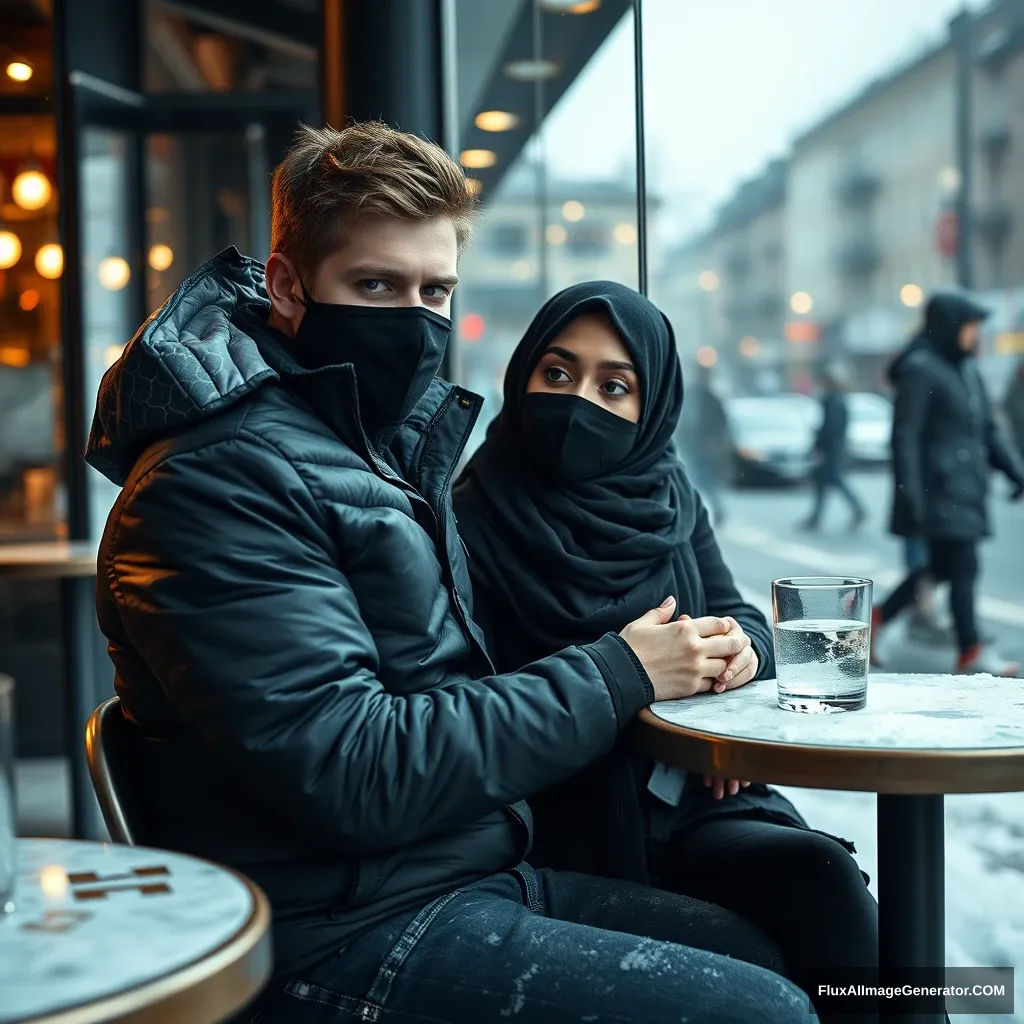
[(330, 178)]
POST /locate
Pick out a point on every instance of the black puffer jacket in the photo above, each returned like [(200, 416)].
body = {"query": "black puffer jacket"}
[(291, 639), (945, 439)]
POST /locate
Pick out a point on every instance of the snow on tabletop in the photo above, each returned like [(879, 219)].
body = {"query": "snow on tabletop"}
[(914, 712)]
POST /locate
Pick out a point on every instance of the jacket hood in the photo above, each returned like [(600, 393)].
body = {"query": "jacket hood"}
[(188, 361), (944, 315)]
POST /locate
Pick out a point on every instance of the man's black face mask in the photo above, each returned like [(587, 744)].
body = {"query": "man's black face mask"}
[(574, 439), (396, 352)]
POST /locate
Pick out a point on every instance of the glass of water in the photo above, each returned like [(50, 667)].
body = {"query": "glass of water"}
[(7, 809), (822, 641)]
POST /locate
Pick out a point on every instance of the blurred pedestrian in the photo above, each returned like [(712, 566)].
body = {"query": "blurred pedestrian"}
[(944, 442), (1013, 406), (830, 449), (703, 438)]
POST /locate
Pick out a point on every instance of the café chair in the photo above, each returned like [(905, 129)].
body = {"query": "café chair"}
[(107, 752)]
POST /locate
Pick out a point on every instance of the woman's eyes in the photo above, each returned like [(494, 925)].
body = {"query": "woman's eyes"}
[(621, 388), (611, 388), (555, 374)]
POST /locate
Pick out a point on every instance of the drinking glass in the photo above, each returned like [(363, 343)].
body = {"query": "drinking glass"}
[(7, 810), (822, 641)]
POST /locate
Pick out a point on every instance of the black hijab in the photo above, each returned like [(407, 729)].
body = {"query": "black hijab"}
[(576, 560)]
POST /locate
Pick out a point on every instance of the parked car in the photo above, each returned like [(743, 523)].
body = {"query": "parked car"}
[(869, 431), (869, 434), (771, 440)]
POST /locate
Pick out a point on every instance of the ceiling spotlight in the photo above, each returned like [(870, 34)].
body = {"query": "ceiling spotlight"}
[(496, 120)]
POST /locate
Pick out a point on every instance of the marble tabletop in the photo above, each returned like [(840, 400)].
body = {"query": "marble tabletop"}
[(93, 922), (918, 733)]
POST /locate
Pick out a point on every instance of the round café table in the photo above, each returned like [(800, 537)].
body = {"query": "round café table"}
[(124, 933), (920, 737)]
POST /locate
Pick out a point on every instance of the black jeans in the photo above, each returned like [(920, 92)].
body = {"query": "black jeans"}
[(952, 561), (548, 948), (801, 887)]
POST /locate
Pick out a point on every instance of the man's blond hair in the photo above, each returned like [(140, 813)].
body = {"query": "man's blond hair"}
[(331, 178)]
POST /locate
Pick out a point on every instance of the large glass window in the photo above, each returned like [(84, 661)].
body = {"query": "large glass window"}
[(31, 262), (547, 134)]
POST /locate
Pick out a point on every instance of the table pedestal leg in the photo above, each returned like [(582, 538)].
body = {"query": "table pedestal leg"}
[(911, 886)]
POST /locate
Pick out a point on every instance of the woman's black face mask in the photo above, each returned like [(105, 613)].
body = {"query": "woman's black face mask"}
[(396, 352), (574, 439)]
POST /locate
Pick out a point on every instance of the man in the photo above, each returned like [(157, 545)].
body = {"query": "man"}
[(944, 442), (286, 603), (829, 451)]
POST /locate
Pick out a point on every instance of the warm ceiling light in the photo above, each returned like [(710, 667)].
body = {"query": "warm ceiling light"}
[(19, 71), (50, 261), (911, 295), (573, 210), (114, 273), (707, 281), (556, 234), (31, 189), (624, 234), (28, 300), (707, 356), (478, 159), (571, 6), (10, 249), (801, 303), (537, 69), (15, 355), (496, 120), (474, 186), (749, 346), (161, 256)]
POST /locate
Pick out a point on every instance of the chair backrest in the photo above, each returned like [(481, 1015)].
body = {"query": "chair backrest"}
[(106, 749)]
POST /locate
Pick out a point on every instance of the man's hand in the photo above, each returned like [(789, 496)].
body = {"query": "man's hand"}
[(740, 668), (681, 659), (719, 786)]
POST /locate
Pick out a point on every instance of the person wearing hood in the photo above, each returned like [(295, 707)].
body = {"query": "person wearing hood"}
[(830, 447), (307, 698), (575, 511), (945, 442)]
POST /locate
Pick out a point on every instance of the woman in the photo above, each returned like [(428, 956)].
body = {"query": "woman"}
[(578, 517)]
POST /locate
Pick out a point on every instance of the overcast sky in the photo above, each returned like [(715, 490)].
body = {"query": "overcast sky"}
[(727, 84)]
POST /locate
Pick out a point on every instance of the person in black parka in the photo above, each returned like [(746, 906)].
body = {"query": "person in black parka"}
[(945, 441), (575, 512)]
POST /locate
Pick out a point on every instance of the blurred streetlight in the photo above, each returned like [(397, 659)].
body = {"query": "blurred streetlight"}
[(19, 71), (10, 249), (477, 159), (556, 234), (801, 303), (571, 6), (50, 261), (911, 295), (707, 281), (161, 256), (28, 300), (749, 346), (949, 179), (624, 234), (573, 211), (521, 270), (113, 273), (706, 356), (31, 189)]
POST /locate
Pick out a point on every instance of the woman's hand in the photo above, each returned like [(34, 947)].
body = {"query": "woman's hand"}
[(719, 786), (740, 667)]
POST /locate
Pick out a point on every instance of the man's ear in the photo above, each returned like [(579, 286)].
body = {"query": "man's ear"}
[(284, 286)]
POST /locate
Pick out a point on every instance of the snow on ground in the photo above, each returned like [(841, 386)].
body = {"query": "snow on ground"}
[(984, 873)]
